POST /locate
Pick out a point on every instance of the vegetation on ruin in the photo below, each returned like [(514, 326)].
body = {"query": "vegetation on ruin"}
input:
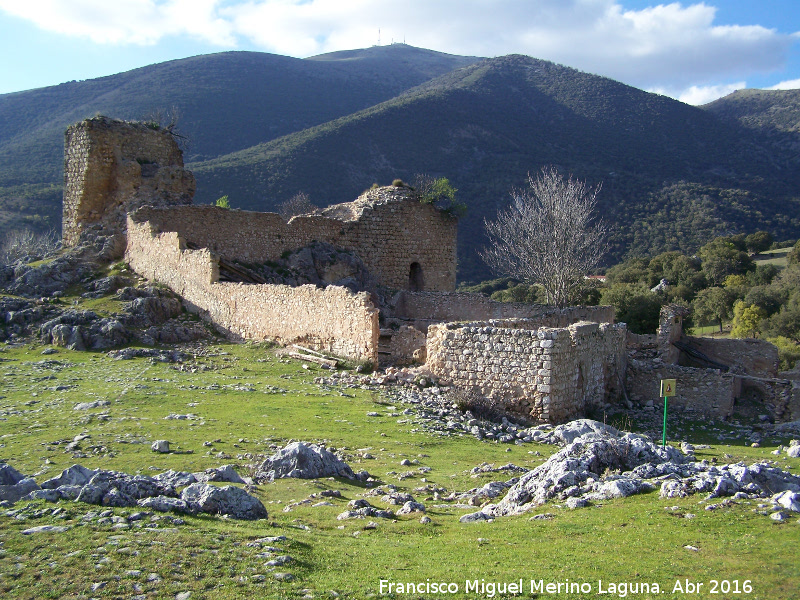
[(247, 399)]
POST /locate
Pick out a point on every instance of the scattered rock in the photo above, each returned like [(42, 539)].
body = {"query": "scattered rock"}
[(160, 446), (411, 507), (228, 500), (46, 529), (224, 473), (599, 462), (304, 461), (90, 405)]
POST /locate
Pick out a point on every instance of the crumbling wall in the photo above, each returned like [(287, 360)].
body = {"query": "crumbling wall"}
[(441, 307), (394, 234), (112, 167), (707, 392), (407, 346), (553, 374), (758, 358), (670, 329), (332, 319)]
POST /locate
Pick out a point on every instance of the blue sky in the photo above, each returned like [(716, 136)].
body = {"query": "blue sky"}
[(693, 51)]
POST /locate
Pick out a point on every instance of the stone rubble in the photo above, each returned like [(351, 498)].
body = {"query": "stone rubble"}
[(117, 489), (598, 463)]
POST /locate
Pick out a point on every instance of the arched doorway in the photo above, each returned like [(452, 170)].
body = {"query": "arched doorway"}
[(416, 282)]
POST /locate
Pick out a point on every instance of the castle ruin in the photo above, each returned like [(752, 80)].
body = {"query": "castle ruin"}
[(127, 181)]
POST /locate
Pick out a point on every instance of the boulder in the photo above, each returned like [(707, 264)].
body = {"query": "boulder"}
[(9, 475), (229, 500), (74, 475), (17, 491), (224, 473), (175, 479), (304, 461), (411, 507), (164, 504), (160, 446)]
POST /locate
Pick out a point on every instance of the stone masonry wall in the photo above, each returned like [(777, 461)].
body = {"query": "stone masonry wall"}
[(332, 319), (477, 307), (707, 392), (553, 374), (112, 167), (758, 358), (388, 228)]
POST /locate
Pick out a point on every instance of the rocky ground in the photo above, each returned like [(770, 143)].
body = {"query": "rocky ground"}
[(594, 464)]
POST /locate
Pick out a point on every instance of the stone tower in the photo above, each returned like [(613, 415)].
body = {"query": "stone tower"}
[(112, 167)]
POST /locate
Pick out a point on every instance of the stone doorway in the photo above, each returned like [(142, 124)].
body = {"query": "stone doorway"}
[(416, 282)]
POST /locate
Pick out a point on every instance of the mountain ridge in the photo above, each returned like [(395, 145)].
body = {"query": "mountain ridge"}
[(265, 127)]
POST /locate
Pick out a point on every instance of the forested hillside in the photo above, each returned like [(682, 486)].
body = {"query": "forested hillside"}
[(261, 128)]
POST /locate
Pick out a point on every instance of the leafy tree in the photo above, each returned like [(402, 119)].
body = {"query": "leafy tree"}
[(736, 285), (223, 202), (521, 292), (793, 256), (721, 257), (635, 305), (758, 241), (746, 319), (548, 235), (633, 270), (788, 352), (677, 269), (762, 275), (766, 297), (786, 322), (710, 305)]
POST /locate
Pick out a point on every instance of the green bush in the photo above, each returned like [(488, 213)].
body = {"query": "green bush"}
[(788, 352), (223, 202)]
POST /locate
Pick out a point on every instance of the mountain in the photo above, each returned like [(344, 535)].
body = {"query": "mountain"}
[(262, 128), (760, 110), (224, 102), (672, 174)]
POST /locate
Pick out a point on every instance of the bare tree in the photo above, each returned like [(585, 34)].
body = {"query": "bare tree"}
[(25, 245), (548, 235), (299, 204)]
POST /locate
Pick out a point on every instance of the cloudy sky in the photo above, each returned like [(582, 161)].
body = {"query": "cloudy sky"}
[(693, 51)]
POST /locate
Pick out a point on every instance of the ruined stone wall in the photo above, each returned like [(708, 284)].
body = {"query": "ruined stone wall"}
[(332, 319), (553, 374), (706, 392), (670, 329), (112, 167), (477, 307), (389, 234), (758, 358)]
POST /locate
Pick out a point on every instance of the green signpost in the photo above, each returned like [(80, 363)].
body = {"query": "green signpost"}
[(667, 390)]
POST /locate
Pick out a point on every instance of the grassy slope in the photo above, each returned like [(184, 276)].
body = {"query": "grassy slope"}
[(626, 540)]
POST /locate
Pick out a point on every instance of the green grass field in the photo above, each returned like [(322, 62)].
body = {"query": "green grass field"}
[(773, 257), (245, 399)]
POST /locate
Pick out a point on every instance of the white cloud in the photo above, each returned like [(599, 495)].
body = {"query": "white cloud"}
[(792, 84), (703, 94), (668, 45), (126, 21)]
